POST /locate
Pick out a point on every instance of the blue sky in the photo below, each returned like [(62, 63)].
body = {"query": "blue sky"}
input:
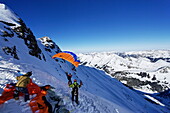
[(98, 25)]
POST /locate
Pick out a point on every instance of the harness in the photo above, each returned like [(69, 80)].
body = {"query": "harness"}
[(75, 88)]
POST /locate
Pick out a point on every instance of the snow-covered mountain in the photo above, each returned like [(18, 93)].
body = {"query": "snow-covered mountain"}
[(100, 93), (147, 71)]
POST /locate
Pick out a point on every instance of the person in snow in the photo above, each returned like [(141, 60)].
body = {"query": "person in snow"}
[(21, 86), (69, 77), (75, 86)]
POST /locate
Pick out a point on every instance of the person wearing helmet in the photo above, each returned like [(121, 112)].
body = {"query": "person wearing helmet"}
[(21, 86), (75, 86)]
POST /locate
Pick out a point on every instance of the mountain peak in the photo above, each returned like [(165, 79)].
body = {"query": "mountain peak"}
[(7, 15), (49, 44), (45, 39), (12, 27), (2, 6)]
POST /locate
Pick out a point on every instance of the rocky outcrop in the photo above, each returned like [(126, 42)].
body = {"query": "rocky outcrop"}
[(137, 83), (49, 45), (24, 33)]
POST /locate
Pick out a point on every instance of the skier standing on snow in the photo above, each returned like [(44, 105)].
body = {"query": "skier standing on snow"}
[(21, 86), (75, 86)]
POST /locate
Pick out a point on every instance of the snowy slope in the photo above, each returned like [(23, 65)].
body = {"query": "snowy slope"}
[(148, 71), (7, 15), (100, 93)]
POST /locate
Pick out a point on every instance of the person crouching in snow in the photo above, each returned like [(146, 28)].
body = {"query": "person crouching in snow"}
[(75, 86), (21, 86)]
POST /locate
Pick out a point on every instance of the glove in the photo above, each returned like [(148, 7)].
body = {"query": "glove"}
[(69, 83)]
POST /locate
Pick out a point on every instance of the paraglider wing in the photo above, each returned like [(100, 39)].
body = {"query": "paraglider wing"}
[(69, 56)]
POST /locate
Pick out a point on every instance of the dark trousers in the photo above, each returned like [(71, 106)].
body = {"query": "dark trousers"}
[(48, 104), (69, 79), (75, 95), (22, 90)]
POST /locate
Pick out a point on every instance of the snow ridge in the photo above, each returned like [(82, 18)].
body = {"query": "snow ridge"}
[(8, 15)]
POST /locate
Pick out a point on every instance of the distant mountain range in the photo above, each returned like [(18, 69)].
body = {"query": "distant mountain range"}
[(148, 71)]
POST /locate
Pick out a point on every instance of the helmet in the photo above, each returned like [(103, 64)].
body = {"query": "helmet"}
[(75, 80), (29, 73), (47, 86)]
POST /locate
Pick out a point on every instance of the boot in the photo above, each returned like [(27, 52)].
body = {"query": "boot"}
[(16, 95), (26, 97)]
